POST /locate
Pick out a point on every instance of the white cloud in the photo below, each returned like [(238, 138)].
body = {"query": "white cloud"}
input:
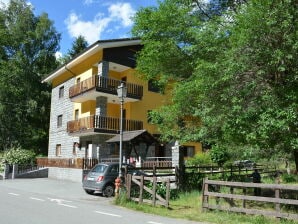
[(58, 55), (88, 2), (91, 30), (122, 12), (119, 14), (3, 3)]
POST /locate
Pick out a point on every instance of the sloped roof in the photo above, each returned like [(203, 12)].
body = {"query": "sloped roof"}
[(138, 136), (92, 49)]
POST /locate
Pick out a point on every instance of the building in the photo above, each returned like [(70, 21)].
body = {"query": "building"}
[(85, 108)]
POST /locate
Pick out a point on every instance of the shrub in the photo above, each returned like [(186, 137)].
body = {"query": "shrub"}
[(289, 178), (161, 189), (219, 154), (199, 159), (19, 156)]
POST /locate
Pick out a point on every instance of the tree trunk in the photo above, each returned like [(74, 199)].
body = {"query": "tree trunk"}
[(296, 159)]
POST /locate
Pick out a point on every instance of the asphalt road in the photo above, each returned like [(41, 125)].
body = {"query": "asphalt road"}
[(48, 201)]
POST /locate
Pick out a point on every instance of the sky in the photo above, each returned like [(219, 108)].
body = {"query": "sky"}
[(93, 19)]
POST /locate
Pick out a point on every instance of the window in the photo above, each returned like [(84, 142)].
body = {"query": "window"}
[(78, 80), (77, 114), (58, 150), (76, 146), (188, 151), (59, 121), (61, 92)]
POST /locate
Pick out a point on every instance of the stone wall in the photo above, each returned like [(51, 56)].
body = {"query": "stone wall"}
[(58, 135), (75, 175)]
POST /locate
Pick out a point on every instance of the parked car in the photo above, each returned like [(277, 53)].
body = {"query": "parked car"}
[(101, 178), (245, 164)]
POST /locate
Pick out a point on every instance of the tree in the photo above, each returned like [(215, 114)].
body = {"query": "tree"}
[(219, 155), (78, 45), (28, 45), (236, 72)]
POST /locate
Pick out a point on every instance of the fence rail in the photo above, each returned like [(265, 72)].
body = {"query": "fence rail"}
[(76, 163), (212, 188)]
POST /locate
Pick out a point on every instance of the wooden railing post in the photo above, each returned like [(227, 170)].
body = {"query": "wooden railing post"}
[(154, 191), (141, 189), (128, 185), (244, 201), (168, 193), (154, 170), (277, 195), (205, 197)]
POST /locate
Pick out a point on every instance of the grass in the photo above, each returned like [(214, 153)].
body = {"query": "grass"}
[(188, 206)]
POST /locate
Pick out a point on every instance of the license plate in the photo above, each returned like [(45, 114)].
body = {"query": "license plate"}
[(90, 178)]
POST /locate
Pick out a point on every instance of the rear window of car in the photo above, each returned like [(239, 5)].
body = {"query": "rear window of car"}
[(99, 169)]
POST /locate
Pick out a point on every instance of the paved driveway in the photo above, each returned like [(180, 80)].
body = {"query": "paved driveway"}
[(47, 201), (58, 188)]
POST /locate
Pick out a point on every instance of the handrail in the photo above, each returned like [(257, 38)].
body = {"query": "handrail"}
[(102, 123), (105, 84)]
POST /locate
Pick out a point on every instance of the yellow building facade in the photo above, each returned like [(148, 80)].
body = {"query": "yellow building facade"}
[(85, 108)]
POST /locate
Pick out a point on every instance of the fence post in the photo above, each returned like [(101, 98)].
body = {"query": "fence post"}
[(205, 198), (177, 176), (168, 193), (277, 205), (14, 171), (154, 191), (154, 170), (141, 189), (6, 171), (244, 201), (128, 185), (125, 173)]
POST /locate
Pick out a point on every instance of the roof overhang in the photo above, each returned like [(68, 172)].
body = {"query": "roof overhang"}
[(91, 50), (141, 135)]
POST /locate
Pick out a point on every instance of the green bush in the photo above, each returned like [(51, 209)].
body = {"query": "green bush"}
[(199, 160), (192, 181), (289, 178), (161, 190), (219, 154), (19, 156)]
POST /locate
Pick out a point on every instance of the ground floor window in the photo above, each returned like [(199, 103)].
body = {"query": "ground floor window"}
[(58, 150), (188, 151)]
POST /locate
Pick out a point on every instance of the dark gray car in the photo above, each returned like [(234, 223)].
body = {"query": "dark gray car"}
[(101, 178)]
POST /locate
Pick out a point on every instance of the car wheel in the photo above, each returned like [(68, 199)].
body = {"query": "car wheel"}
[(108, 191), (89, 191)]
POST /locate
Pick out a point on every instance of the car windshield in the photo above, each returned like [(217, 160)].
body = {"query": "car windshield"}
[(99, 169)]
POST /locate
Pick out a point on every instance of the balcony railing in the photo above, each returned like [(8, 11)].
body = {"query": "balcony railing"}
[(106, 85), (77, 163), (102, 124)]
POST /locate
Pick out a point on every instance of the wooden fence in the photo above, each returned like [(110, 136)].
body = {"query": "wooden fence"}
[(133, 182), (240, 191), (76, 163)]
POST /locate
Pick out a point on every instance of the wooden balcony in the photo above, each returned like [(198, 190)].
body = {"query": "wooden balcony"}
[(102, 86), (99, 124)]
